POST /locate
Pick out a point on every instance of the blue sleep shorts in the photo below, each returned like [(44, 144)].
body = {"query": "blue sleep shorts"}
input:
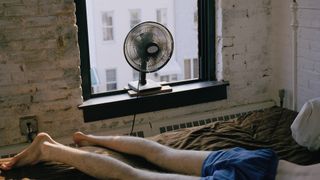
[(240, 164)]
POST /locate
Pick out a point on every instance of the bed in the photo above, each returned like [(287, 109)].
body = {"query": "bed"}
[(268, 128)]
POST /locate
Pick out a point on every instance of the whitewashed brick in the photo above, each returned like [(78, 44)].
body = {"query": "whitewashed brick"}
[(10, 2), (49, 95), (14, 100), (21, 10), (315, 86), (309, 4), (306, 18), (308, 50), (56, 9), (39, 21), (309, 34), (47, 2), (29, 2), (317, 67), (43, 76), (306, 64)]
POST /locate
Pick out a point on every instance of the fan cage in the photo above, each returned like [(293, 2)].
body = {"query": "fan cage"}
[(160, 36)]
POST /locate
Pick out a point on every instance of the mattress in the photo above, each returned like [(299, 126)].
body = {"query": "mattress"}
[(269, 128)]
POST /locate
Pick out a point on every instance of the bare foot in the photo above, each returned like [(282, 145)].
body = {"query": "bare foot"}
[(31, 155), (81, 139)]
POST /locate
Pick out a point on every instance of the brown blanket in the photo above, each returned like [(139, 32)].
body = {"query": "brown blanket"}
[(269, 128)]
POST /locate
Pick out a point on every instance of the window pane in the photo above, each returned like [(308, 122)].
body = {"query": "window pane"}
[(135, 17), (195, 68), (111, 79), (162, 16), (164, 78), (187, 69), (111, 86), (107, 25), (110, 21), (111, 75)]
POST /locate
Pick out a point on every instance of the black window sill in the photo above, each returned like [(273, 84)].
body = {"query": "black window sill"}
[(182, 95)]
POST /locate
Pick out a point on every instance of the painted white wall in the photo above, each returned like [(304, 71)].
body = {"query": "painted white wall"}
[(281, 57), (308, 50), (244, 41)]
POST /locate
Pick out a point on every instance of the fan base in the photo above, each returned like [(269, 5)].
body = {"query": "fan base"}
[(163, 89), (149, 86)]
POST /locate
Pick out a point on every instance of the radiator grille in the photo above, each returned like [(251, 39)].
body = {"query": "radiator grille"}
[(201, 122), (8, 155), (137, 134)]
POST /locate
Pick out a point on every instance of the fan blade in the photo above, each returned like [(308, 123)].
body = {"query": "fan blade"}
[(148, 42)]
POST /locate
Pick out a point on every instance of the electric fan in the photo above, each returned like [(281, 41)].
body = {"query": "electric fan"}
[(147, 48)]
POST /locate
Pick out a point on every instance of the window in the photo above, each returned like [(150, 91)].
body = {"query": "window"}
[(187, 69), (111, 79), (174, 77), (176, 15), (135, 17), (162, 16), (107, 26), (164, 78), (199, 46), (195, 68), (191, 68), (94, 80)]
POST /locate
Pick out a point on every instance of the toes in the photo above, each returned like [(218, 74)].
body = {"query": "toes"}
[(78, 136), (6, 166)]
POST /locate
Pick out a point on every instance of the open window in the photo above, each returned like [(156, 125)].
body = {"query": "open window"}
[(103, 26)]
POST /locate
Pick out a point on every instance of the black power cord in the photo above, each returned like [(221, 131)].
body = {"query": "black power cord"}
[(134, 116), (281, 96)]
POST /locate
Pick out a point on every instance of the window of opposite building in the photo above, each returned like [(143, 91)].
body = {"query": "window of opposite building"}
[(107, 25), (193, 59)]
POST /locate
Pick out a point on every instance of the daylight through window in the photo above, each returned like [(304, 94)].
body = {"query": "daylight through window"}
[(110, 21)]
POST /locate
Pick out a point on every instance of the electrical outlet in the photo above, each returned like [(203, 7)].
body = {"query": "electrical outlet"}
[(28, 124)]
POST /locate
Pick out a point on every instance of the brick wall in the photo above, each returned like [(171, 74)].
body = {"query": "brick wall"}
[(308, 44), (244, 49), (308, 50), (39, 65)]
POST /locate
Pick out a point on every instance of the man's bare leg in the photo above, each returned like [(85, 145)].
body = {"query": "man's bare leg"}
[(290, 171), (100, 166), (178, 161)]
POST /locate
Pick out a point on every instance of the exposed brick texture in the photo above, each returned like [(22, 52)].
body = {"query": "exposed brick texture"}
[(308, 50), (39, 65), (244, 44)]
